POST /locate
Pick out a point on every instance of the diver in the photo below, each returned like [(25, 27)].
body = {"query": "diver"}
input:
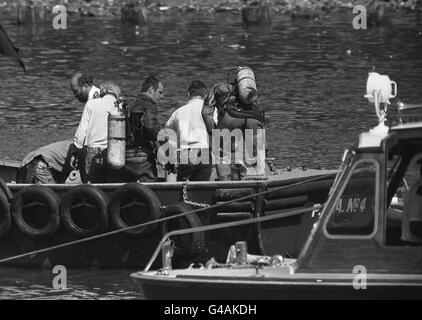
[(238, 111)]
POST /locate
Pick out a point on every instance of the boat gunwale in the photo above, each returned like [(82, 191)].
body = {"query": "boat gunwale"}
[(325, 174), (338, 279)]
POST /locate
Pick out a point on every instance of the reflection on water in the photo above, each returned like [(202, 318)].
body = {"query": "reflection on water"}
[(81, 284), (311, 75)]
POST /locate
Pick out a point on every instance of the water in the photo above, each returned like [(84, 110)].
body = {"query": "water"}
[(311, 75)]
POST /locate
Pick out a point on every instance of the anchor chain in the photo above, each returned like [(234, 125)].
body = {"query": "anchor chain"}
[(192, 203)]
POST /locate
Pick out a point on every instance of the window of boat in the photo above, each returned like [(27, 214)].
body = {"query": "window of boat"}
[(404, 211), (354, 214)]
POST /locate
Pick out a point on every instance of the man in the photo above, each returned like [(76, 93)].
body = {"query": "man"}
[(142, 131), (192, 135), (49, 164), (92, 132), (233, 114), (83, 88)]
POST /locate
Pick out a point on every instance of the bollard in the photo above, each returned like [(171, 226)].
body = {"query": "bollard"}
[(28, 13), (167, 251), (377, 13), (134, 13), (256, 14)]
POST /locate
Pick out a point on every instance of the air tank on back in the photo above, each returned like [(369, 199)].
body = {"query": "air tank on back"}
[(246, 85), (116, 144)]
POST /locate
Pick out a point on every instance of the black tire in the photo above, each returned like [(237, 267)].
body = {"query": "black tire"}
[(89, 221), (6, 191), (31, 222), (149, 201), (189, 244), (5, 217)]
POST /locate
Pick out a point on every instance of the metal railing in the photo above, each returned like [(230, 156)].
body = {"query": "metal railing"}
[(226, 225)]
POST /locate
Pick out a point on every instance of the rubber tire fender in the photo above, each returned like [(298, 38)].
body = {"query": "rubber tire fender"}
[(5, 217), (101, 201), (148, 195), (6, 190), (197, 241), (53, 202)]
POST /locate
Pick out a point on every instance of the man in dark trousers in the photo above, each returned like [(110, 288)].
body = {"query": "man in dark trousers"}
[(142, 131), (49, 164)]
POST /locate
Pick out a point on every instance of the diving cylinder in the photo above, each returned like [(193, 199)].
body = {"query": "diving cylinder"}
[(116, 144), (246, 85)]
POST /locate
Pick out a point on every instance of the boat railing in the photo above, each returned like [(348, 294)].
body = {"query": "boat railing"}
[(280, 215)]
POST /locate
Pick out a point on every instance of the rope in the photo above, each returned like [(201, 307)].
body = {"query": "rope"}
[(103, 235)]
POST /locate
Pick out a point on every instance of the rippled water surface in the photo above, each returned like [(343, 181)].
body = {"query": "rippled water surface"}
[(311, 75)]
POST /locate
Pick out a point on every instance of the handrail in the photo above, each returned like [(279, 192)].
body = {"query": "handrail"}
[(197, 184), (225, 225)]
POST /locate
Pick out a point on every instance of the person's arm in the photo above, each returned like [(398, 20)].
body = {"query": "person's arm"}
[(209, 112), (170, 124), (80, 134), (151, 124)]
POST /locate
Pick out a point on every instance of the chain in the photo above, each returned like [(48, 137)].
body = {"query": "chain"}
[(192, 203)]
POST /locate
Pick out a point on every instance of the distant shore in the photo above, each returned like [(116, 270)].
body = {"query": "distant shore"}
[(163, 7)]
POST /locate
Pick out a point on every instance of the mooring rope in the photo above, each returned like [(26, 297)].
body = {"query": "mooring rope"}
[(110, 233)]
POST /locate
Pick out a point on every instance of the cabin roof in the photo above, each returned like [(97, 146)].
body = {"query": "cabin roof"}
[(408, 126)]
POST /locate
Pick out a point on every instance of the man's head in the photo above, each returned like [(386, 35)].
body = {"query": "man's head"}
[(81, 84), (153, 88), (109, 87), (197, 89)]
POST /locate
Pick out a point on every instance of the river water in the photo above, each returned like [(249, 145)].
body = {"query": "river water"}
[(311, 75)]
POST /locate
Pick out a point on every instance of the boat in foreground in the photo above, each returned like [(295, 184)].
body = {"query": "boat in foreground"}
[(355, 249)]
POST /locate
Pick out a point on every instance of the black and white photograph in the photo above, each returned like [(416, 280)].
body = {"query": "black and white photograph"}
[(228, 151)]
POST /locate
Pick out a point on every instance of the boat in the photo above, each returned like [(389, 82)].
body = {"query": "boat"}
[(116, 225), (354, 250)]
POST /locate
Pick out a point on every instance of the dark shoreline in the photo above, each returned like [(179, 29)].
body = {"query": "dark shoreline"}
[(302, 8)]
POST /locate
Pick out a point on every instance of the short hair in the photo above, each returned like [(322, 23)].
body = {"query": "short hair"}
[(197, 88), (151, 81), (83, 79), (109, 87)]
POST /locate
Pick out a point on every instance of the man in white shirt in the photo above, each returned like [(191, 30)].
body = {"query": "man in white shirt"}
[(92, 131), (193, 138)]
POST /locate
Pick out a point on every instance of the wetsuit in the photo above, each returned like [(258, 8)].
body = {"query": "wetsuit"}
[(232, 114)]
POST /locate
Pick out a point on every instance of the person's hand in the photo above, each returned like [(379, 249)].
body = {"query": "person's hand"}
[(74, 161)]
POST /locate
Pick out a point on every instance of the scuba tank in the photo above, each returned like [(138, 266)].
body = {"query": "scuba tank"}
[(245, 78), (116, 144)]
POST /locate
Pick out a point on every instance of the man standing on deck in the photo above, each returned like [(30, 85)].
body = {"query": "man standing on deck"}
[(142, 131), (92, 132), (83, 89), (233, 114), (192, 135)]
